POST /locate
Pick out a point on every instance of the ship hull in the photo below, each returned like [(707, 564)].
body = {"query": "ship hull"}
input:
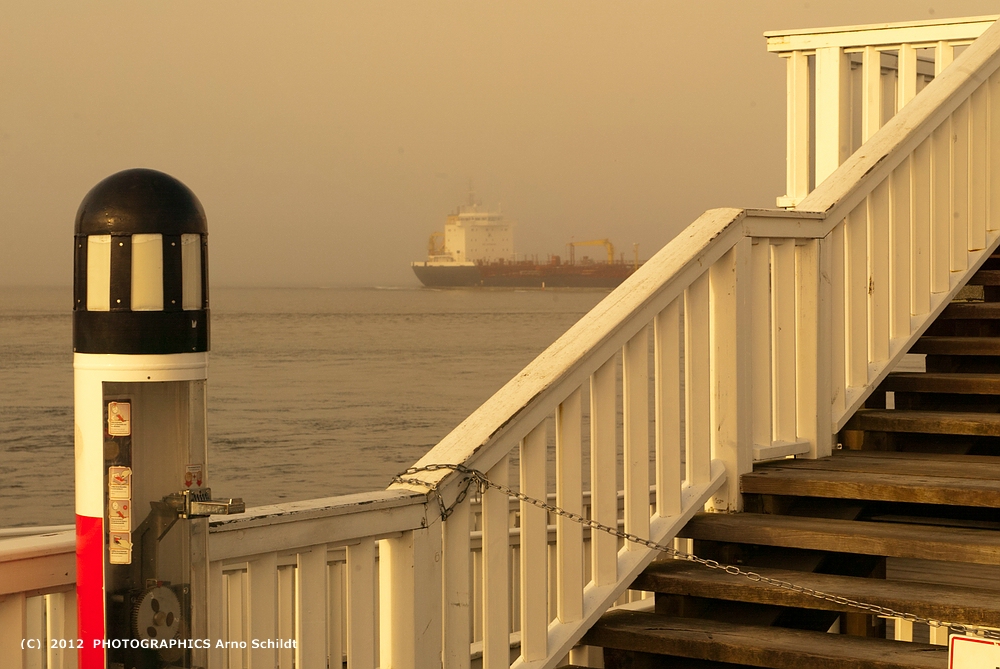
[(522, 275)]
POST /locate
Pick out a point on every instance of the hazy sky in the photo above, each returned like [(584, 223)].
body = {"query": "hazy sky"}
[(327, 140)]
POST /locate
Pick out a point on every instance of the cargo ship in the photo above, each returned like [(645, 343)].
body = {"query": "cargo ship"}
[(477, 249)]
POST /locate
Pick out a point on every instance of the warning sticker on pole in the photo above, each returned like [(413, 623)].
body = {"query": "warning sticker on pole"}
[(192, 476), (119, 483), (119, 419), (120, 515), (119, 549), (969, 652)]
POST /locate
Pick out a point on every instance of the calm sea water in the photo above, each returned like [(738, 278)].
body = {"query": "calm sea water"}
[(312, 392)]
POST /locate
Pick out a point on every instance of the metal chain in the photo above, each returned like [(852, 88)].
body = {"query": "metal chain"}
[(482, 483)]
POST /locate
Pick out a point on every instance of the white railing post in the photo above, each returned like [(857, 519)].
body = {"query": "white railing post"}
[(361, 605), (262, 608), (797, 146), (496, 593), (311, 614), (833, 110), (731, 405), (13, 622), (410, 593), (457, 595), (534, 548), (569, 496), (603, 479), (814, 377), (635, 418), (669, 409), (697, 388)]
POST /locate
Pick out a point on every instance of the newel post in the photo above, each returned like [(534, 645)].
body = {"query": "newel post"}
[(731, 399), (410, 599)]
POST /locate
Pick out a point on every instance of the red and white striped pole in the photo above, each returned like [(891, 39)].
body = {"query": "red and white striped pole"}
[(140, 342)]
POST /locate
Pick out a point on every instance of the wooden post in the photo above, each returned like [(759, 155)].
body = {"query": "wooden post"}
[(361, 605), (603, 469), (731, 406), (496, 595), (635, 416), (960, 121), (569, 496), (797, 143), (534, 548), (13, 619), (697, 388), (813, 348), (311, 614), (899, 251), (668, 409), (833, 110), (262, 608), (410, 594), (871, 92), (457, 595)]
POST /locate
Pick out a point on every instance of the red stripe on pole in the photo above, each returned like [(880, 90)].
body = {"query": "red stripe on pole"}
[(90, 590)]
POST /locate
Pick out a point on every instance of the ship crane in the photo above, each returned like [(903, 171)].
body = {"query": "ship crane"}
[(435, 245), (606, 243)]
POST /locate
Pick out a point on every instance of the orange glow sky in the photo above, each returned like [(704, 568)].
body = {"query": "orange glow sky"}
[(327, 140)]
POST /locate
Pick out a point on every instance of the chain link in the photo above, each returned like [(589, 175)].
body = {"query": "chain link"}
[(474, 477)]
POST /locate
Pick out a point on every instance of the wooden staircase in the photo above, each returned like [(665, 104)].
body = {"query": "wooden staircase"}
[(904, 516)]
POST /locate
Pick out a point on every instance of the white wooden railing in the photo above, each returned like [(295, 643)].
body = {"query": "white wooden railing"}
[(843, 84), (752, 335)]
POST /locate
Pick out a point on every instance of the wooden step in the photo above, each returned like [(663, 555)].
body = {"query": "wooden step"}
[(948, 479), (901, 540), (956, 605), (942, 382), (972, 310), (957, 345), (985, 277), (928, 422), (774, 647)]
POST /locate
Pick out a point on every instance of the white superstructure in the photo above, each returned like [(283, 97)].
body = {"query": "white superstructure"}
[(473, 235)]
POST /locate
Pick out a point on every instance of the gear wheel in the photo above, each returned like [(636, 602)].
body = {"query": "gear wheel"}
[(156, 614)]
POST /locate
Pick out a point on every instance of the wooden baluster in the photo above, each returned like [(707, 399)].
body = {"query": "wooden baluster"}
[(603, 473), (457, 611), (944, 53), (668, 407), (534, 548), (993, 157), (783, 338), (878, 273), (760, 336), (797, 142), (217, 613), (60, 623), (569, 496), (311, 607), (410, 599), (941, 212), (899, 251), (335, 614), (13, 629), (812, 364), (907, 75), (732, 429), (960, 188), (286, 615), (262, 607), (978, 177), (237, 619), (920, 215), (635, 417), (697, 389), (856, 294), (871, 92), (361, 621), (838, 319), (496, 614), (833, 110)]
